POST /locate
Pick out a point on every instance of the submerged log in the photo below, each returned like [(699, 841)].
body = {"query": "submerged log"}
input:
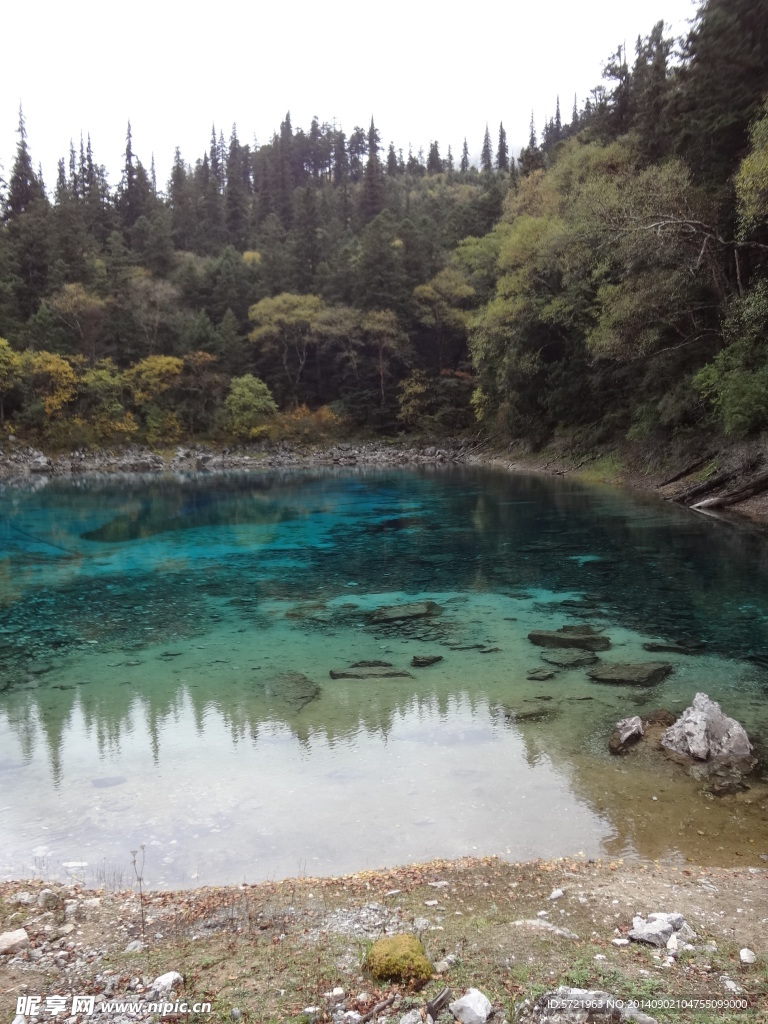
[(704, 488), (749, 490)]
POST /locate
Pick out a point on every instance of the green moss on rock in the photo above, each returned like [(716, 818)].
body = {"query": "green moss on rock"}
[(400, 957)]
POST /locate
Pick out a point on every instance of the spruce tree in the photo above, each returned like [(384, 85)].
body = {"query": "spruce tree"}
[(372, 198), (357, 147), (486, 157), (392, 167), (373, 141), (24, 186), (464, 165), (74, 183), (434, 162), (340, 158), (83, 168), (502, 153), (531, 157)]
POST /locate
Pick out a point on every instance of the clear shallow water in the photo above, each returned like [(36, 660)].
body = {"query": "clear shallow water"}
[(165, 649)]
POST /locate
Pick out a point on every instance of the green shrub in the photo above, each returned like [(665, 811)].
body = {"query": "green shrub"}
[(401, 957)]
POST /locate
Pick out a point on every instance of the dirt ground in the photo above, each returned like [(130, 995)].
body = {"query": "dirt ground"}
[(273, 950)]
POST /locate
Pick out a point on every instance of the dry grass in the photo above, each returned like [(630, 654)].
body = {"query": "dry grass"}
[(274, 949)]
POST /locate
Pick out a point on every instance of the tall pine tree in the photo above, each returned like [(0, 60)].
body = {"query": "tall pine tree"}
[(502, 153), (486, 156)]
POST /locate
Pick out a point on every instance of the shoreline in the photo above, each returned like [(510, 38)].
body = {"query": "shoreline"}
[(270, 951), (670, 474)]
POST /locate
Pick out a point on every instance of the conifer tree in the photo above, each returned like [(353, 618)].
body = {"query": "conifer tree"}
[(340, 158), (213, 159), (372, 199), (373, 141), (314, 147), (74, 182), (24, 186), (531, 157), (486, 156), (357, 147), (392, 167), (434, 163), (83, 168), (502, 153), (464, 165)]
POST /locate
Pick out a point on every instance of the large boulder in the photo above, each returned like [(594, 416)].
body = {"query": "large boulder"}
[(646, 673), (705, 733), (583, 637)]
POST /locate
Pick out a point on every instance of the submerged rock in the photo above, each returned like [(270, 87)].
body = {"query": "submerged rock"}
[(316, 611), (425, 660), (703, 732), (414, 610), (566, 658), (369, 673), (540, 674), (646, 673), (293, 690), (535, 714), (661, 716), (691, 647), (583, 637), (628, 731)]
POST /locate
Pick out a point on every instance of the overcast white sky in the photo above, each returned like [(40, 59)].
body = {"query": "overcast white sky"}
[(424, 69)]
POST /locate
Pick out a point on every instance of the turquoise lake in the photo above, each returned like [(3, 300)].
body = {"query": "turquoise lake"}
[(166, 647)]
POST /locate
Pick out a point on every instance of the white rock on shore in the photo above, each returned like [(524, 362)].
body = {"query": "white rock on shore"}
[(12, 942), (703, 732), (472, 1008)]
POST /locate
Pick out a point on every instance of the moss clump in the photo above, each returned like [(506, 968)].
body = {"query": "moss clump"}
[(400, 957)]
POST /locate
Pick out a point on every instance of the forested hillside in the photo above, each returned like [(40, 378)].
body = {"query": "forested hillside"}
[(613, 280)]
